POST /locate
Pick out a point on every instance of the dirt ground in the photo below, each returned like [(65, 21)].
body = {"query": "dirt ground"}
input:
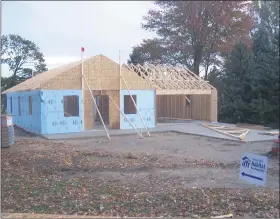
[(166, 174)]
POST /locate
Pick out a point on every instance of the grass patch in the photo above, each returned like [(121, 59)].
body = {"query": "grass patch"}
[(76, 184), (40, 208), (35, 193), (16, 187), (60, 187)]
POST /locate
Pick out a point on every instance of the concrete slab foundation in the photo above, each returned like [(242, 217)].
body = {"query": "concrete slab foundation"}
[(189, 127)]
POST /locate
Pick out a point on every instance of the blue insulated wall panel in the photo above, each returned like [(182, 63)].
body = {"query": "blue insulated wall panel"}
[(53, 120), (31, 122), (145, 101)]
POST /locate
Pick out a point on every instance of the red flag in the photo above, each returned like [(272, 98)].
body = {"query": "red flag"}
[(83, 49)]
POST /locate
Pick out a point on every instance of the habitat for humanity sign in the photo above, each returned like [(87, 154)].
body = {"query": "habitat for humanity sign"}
[(253, 168)]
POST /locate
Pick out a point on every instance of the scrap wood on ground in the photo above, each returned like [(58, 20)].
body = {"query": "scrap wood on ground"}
[(231, 131)]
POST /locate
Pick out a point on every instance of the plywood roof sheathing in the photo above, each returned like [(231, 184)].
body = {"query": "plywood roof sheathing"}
[(36, 81)]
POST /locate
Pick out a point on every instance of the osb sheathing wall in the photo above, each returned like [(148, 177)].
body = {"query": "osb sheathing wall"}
[(214, 106), (102, 74), (103, 78), (174, 106)]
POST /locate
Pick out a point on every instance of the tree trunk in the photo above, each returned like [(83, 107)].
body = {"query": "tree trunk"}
[(207, 66), (14, 78), (197, 59), (206, 72)]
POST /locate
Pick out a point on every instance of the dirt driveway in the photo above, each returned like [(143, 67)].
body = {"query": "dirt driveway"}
[(166, 174), (180, 147)]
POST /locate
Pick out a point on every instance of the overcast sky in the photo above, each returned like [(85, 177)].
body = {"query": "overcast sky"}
[(61, 28)]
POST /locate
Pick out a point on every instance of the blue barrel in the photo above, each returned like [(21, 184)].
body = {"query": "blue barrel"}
[(7, 131)]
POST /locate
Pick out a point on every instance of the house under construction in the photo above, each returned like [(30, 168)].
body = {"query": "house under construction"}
[(62, 100)]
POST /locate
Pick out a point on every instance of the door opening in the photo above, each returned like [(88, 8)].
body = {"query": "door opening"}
[(102, 102)]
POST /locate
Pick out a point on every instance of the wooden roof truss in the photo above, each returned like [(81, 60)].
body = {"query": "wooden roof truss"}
[(167, 77)]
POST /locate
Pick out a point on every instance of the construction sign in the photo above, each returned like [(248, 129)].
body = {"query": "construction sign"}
[(253, 168)]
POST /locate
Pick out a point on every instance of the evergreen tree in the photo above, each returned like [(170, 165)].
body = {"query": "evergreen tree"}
[(248, 85), (235, 98), (266, 79)]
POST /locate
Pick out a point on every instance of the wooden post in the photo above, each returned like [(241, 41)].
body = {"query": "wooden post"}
[(155, 107), (120, 68), (82, 82)]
